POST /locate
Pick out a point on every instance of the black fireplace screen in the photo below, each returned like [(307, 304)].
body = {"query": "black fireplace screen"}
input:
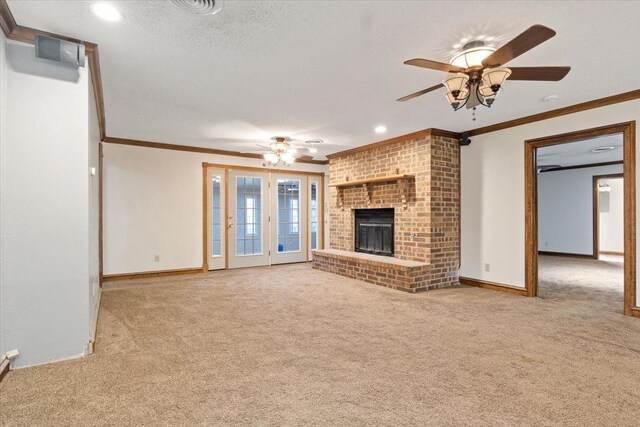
[(374, 231)]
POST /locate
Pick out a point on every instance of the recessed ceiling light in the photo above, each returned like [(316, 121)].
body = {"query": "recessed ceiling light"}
[(380, 129), (603, 149), (106, 11)]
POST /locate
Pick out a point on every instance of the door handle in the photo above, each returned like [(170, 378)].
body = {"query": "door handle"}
[(230, 225)]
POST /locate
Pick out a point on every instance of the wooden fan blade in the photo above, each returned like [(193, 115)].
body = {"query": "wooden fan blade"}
[(535, 35), (303, 157), (422, 92), (434, 65), (550, 74)]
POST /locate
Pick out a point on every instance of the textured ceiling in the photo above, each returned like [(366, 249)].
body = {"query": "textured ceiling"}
[(579, 152), (328, 69)]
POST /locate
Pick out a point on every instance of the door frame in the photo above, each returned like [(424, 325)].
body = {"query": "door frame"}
[(628, 130), (596, 210), (227, 168)]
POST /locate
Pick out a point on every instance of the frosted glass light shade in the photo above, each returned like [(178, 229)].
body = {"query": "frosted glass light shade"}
[(457, 82), (288, 158), (495, 76), (451, 99), (271, 158), (473, 57), (486, 91)]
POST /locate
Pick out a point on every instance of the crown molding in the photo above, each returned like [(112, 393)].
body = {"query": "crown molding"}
[(7, 21), (16, 32), (192, 149), (576, 108)]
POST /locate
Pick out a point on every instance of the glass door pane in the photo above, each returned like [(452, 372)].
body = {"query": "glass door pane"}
[(216, 216), (216, 212), (288, 215), (313, 213), (248, 215)]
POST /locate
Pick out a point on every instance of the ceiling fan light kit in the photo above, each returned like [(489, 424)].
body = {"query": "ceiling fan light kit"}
[(477, 73), (282, 152), (485, 86)]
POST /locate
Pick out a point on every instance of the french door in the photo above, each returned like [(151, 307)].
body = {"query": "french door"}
[(249, 216), (288, 218), (254, 217)]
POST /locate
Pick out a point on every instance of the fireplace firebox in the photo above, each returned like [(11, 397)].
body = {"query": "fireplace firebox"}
[(374, 231)]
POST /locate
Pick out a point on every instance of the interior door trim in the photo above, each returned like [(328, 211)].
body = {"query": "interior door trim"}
[(628, 130)]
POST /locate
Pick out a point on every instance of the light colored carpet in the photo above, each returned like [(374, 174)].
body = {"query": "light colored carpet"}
[(583, 281), (290, 345)]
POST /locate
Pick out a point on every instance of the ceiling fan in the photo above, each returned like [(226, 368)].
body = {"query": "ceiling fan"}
[(477, 73), (281, 151)]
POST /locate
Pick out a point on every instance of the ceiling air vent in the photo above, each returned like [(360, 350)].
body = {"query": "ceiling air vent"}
[(200, 7)]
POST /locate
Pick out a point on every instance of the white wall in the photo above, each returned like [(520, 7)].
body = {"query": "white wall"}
[(152, 205), (493, 191), (44, 208), (565, 209), (612, 217), (3, 112), (94, 210)]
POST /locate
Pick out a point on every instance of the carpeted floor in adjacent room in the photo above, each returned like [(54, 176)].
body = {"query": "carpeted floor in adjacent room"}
[(289, 345), (584, 281)]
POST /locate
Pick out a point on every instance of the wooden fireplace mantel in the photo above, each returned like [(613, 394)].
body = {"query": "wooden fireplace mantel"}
[(366, 183), (388, 178)]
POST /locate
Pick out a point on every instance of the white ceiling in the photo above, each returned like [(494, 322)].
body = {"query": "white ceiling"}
[(328, 69), (579, 152)]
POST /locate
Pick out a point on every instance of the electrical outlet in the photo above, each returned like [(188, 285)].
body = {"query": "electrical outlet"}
[(487, 267), (156, 258)]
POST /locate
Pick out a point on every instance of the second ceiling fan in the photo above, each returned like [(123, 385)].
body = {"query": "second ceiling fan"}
[(281, 151), (477, 73)]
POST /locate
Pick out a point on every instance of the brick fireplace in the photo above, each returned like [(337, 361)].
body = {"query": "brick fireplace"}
[(417, 178)]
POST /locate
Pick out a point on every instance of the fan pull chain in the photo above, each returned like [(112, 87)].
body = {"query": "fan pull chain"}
[(474, 114)]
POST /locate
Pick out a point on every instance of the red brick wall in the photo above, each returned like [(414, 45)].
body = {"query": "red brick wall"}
[(432, 213)]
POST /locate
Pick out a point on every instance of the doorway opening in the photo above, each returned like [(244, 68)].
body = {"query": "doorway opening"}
[(580, 242)]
